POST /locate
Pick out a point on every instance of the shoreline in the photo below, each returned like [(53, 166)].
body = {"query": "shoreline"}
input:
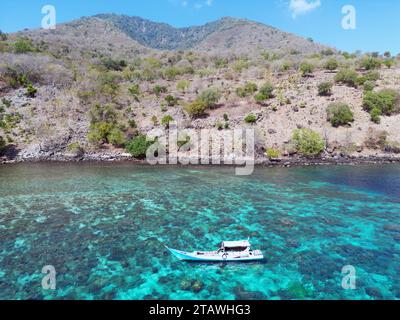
[(260, 162)]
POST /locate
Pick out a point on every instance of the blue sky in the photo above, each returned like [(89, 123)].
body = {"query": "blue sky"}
[(377, 21)]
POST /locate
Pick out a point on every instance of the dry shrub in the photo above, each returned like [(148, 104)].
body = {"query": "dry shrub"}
[(36, 68), (375, 139)]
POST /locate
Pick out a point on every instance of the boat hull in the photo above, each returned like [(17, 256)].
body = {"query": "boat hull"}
[(194, 256)]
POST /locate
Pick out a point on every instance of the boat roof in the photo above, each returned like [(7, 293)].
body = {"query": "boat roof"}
[(236, 244)]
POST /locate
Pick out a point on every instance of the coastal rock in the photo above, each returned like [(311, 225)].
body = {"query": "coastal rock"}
[(185, 285), (31, 152), (192, 285), (287, 223), (45, 150), (242, 294), (392, 227), (57, 150), (293, 243), (164, 280), (374, 293), (296, 291), (197, 286)]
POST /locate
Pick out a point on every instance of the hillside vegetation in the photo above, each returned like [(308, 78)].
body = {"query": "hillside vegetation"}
[(97, 85)]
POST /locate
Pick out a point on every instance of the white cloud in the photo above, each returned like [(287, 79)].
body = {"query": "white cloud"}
[(197, 5), (301, 7), (183, 3)]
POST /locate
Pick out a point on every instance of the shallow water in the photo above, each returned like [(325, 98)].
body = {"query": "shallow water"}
[(103, 227)]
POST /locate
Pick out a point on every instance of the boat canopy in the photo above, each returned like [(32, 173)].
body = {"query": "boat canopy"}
[(236, 244)]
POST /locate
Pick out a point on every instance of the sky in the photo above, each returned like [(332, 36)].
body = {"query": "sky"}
[(377, 22)]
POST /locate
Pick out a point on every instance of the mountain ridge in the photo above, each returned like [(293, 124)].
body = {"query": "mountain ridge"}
[(224, 34)]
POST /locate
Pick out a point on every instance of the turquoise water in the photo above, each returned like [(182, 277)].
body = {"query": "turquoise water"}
[(102, 227)]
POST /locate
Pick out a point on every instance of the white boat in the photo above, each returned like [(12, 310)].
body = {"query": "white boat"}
[(229, 251)]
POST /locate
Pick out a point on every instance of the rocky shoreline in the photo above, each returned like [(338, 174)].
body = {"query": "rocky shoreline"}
[(118, 157)]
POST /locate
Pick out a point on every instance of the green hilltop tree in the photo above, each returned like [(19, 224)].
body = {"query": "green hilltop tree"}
[(183, 85), (24, 45), (266, 92), (210, 97), (339, 114), (306, 69), (138, 146), (331, 64), (307, 142), (196, 109), (166, 121)]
